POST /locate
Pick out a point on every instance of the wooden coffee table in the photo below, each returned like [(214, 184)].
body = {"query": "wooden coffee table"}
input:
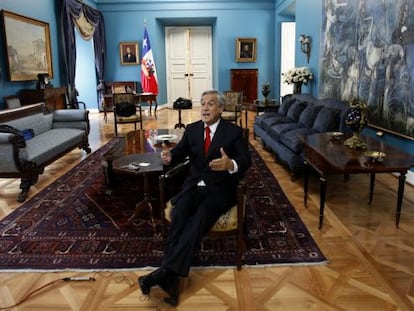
[(138, 153), (329, 156)]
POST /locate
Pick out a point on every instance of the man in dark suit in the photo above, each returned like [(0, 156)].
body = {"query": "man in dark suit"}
[(209, 190), (129, 57)]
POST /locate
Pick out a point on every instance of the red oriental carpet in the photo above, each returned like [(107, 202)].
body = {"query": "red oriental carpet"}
[(76, 224)]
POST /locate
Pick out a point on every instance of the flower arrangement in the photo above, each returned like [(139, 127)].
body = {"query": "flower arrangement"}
[(299, 74)]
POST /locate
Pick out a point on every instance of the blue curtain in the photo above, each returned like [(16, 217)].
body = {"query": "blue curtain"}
[(72, 9)]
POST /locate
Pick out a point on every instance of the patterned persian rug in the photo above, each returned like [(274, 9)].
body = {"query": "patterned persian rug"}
[(76, 223)]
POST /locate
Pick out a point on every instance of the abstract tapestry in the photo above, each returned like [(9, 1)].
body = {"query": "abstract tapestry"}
[(367, 53)]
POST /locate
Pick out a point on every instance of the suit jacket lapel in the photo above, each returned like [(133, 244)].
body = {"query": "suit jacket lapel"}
[(200, 133)]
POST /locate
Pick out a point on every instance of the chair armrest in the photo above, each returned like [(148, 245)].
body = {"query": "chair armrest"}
[(80, 103), (176, 169), (168, 175), (10, 146), (71, 118)]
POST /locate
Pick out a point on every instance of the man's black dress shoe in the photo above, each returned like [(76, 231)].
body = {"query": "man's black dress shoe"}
[(151, 279), (171, 285)]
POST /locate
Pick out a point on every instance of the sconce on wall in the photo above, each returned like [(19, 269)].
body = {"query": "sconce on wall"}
[(305, 45)]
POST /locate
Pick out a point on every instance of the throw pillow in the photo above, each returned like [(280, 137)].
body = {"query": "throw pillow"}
[(295, 110), (326, 120), (284, 107), (308, 115)]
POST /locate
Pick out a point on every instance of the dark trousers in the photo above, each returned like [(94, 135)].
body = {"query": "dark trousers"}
[(194, 214)]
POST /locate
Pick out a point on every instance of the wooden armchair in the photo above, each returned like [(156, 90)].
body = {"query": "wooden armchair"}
[(232, 108), (111, 88), (125, 110)]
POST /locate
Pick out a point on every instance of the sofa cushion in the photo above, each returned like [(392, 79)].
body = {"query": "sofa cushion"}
[(308, 115), (48, 145), (327, 120), (269, 122), (259, 119), (278, 129), (294, 139)]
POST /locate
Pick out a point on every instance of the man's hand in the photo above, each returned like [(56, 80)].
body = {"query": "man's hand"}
[(165, 154), (222, 164)]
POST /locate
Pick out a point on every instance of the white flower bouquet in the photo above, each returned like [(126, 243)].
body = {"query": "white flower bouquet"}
[(300, 74)]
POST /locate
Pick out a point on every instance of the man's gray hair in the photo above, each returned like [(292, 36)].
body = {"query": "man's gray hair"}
[(221, 99)]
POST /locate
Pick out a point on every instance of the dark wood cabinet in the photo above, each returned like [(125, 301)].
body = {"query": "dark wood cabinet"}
[(245, 80), (53, 97)]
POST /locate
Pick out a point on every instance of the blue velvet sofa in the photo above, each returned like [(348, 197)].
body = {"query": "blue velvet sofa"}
[(299, 115)]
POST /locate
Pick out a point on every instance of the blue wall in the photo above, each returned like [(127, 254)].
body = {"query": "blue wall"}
[(229, 19)]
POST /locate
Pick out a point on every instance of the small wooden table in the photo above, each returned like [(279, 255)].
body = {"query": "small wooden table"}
[(138, 153), (330, 156)]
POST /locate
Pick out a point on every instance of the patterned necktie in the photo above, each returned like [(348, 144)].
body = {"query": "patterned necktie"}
[(207, 140)]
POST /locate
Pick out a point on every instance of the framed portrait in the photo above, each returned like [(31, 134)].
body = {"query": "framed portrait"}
[(27, 45), (246, 50), (129, 53)]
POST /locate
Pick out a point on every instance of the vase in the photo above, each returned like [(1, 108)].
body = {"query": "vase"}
[(356, 120), (297, 88), (265, 93)]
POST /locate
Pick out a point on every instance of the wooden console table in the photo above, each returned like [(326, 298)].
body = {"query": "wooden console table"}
[(330, 156), (53, 97)]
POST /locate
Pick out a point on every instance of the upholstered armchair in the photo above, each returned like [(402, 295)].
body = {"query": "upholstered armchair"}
[(232, 108)]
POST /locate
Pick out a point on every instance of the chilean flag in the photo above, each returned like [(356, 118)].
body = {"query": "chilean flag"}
[(149, 79)]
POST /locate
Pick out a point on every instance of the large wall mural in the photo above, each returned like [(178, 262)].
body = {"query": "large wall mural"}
[(367, 53)]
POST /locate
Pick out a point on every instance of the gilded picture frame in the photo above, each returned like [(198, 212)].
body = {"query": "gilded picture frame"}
[(27, 46), (129, 53), (246, 50)]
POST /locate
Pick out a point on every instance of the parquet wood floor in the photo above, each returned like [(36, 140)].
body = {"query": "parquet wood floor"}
[(371, 264)]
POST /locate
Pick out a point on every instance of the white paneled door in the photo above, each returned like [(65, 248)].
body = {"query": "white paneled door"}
[(189, 64)]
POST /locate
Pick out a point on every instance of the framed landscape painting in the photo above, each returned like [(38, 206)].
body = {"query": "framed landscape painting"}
[(27, 45)]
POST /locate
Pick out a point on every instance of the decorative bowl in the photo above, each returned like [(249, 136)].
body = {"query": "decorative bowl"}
[(375, 155), (335, 135), (168, 137)]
